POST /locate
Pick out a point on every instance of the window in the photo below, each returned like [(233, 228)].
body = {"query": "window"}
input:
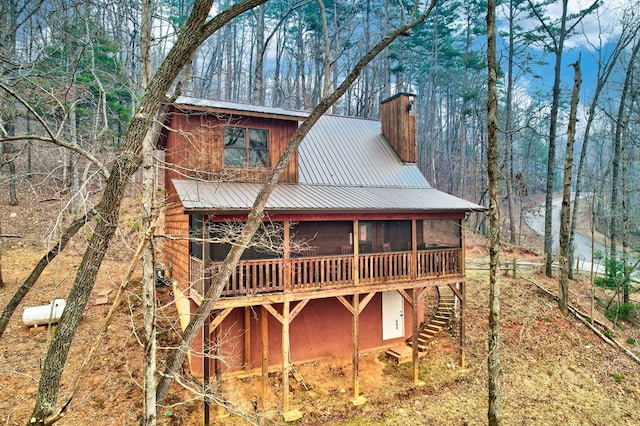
[(246, 147)]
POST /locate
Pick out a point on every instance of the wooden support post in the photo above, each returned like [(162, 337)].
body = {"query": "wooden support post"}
[(285, 356), (287, 256), (218, 368), (463, 244), (206, 341), (206, 345), (247, 339), (414, 336), (462, 326), (356, 253), (355, 338), (264, 337), (414, 249)]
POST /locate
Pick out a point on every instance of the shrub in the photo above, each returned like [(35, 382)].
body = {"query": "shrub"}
[(625, 312)]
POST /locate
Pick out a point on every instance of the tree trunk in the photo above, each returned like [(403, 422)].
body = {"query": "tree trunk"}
[(1, 247), (603, 77), (149, 412), (494, 415), (565, 213), (194, 32), (551, 159), (258, 77), (617, 213), (508, 143)]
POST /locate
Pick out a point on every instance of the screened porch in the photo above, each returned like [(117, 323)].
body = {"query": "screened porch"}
[(294, 256)]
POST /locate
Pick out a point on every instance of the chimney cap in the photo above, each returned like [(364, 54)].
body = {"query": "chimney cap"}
[(411, 95)]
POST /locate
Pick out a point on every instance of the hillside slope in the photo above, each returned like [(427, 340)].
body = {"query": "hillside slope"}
[(555, 370)]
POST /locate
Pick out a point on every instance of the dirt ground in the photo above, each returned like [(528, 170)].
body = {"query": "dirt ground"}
[(554, 369)]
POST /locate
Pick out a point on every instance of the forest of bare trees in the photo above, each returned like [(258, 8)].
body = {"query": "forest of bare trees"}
[(83, 84)]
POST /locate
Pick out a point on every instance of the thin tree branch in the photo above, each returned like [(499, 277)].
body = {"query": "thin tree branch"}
[(52, 137)]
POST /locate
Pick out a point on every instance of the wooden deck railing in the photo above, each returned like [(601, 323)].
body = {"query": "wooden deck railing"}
[(321, 271), (305, 273)]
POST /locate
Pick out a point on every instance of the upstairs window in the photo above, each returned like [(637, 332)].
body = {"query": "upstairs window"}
[(246, 147)]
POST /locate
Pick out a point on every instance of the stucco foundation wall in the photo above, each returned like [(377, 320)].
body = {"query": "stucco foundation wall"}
[(322, 330)]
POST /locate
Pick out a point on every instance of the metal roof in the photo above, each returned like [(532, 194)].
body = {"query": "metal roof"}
[(238, 107), (345, 164), (352, 151), (301, 198)]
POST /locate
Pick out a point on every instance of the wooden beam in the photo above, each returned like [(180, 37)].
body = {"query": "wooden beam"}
[(275, 313), (365, 301), (454, 288), (414, 248), (346, 304), (219, 318), (356, 251), (347, 290), (463, 243), (287, 255), (218, 368), (406, 297), (295, 311)]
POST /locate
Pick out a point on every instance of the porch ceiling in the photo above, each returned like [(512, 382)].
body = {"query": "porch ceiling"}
[(239, 197)]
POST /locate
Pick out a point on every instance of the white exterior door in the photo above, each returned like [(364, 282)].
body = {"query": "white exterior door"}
[(392, 315)]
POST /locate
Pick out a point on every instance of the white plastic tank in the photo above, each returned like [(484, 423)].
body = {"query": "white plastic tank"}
[(44, 314)]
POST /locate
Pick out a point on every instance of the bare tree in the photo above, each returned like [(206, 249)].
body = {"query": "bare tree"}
[(620, 129), (554, 38), (565, 265), (195, 30), (494, 415), (606, 65), (149, 413)]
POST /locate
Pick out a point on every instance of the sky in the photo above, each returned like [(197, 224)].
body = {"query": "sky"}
[(600, 28)]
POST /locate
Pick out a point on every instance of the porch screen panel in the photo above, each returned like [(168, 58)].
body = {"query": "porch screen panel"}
[(439, 233), (323, 238), (195, 235)]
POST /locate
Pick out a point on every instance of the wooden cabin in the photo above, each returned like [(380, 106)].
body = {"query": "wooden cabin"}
[(353, 237)]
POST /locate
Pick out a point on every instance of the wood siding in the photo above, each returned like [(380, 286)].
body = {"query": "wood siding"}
[(399, 125), (194, 147), (176, 248)]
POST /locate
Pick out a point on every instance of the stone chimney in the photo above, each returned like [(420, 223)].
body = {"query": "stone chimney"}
[(399, 125)]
